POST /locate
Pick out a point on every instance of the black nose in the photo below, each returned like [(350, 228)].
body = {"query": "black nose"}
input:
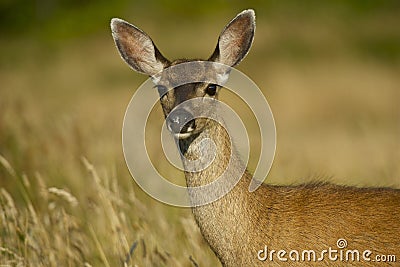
[(180, 121)]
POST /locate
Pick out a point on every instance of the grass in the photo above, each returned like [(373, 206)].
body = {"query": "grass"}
[(66, 197), (112, 228)]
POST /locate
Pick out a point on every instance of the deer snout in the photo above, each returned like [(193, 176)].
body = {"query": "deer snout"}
[(181, 123)]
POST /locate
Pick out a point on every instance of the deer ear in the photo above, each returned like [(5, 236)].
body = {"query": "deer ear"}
[(235, 40), (136, 48)]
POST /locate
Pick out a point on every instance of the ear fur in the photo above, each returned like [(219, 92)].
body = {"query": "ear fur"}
[(136, 48), (235, 39)]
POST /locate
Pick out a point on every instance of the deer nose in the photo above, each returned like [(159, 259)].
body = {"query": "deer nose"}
[(180, 121)]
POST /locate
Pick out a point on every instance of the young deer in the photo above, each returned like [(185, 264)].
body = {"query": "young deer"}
[(244, 228)]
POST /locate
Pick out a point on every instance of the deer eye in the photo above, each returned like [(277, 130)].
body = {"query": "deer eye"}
[(211, 89)]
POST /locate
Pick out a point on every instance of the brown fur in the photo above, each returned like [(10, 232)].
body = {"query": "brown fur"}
[(305, 217), (237, 226)]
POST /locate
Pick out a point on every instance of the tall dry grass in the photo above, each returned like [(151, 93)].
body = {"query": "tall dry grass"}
[(112, 228)]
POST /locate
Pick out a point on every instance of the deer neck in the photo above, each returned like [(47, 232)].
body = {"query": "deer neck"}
[(210, 155), (213, 159), (217, 219)]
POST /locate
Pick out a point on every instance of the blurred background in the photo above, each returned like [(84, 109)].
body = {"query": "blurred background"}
[(329, 69)]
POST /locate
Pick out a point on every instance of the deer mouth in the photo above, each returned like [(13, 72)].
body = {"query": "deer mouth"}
[(186, 131), (181, 123), (182, 135)]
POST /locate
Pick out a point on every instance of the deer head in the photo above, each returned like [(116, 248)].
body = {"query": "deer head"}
[(139, 52)]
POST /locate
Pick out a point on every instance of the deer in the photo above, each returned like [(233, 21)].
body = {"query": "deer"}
[(317, 223)]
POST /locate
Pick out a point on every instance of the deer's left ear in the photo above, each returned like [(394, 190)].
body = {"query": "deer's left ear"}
[(235, 40)]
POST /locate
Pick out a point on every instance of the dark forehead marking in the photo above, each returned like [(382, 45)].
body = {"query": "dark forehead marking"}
[(185, 92), (199, 71), (183, 60)]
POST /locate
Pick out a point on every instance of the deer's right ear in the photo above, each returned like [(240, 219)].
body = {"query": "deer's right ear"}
[(136, 48)]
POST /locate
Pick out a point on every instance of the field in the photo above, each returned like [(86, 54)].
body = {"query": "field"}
[(330, 74)]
